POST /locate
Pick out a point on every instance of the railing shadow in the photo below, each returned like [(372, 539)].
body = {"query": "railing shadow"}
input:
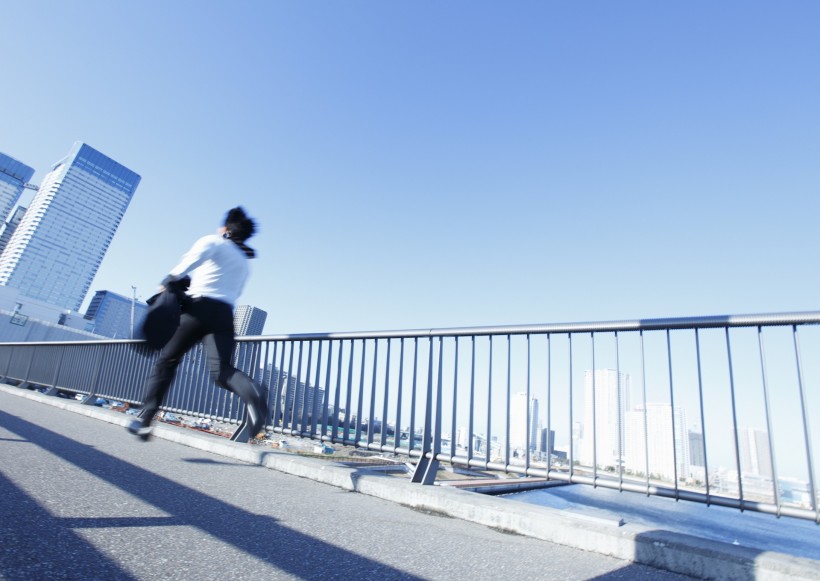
[(42, 548), (256, 535)]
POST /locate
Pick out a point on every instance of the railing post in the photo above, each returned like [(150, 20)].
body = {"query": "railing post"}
[(427, 467)]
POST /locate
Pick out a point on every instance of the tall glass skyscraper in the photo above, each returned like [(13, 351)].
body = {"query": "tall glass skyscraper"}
[(13, 176), (56, 250), (248, 320)]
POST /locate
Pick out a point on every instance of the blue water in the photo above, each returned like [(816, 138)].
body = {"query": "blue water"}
[(749, 529)]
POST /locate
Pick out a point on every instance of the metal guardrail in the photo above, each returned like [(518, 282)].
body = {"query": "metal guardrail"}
[(715, 410)]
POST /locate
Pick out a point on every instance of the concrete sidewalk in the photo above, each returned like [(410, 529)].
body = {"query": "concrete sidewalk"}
[(632, 545)]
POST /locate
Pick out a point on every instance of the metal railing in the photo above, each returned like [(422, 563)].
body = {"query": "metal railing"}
[(715, 410)]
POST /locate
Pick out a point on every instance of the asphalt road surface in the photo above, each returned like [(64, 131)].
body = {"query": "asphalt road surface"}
[(83, 499)]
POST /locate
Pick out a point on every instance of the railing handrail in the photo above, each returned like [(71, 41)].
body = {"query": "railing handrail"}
[(703, 322)]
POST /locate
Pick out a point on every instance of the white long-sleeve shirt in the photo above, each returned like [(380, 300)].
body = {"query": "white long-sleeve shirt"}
[(218, 269)]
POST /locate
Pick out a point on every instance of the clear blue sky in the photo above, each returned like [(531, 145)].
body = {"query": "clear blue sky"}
[(440, 164)]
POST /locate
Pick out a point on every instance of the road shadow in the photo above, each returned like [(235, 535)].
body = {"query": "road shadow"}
[(262, 537), (36, 545)]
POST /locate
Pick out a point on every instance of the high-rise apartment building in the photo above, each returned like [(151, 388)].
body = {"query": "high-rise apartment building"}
[(14, 176), (606, 399), (649, 432), (56, 250), (248, 320)]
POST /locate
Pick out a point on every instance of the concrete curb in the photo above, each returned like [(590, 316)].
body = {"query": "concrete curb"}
[(666, 550)]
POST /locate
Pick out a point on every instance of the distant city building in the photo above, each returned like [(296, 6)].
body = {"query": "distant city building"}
[(56, 250), (755, 453), (696, 449), (298, 398), (521, 411), (546, 442), (602, 441), (14, 176), (249, 320), (648, 436), (111, 313)]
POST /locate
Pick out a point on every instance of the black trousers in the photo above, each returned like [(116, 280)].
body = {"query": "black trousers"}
[(209, 321)]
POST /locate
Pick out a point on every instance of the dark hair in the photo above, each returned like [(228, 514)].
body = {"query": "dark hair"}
[(240, 226)]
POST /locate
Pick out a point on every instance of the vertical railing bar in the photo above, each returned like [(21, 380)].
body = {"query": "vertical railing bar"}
[(489, 438), (338, 394), (549, 406), (645, 413), (349, 394), (8, 362), (30, 362), (296, 419), (314, 415), (437, 423), (267, 380), (205, 386), (594, 404), (672, 411), (702, 417), (470, 418), (571, 423), (57, 369), (427, 434), (529, 408), (509, 397), (734, 421), (360, 395), (455, 404), (278, 400), (806, 430), (94, 382), (303, 420), (770, 432), (621, 411), (412, 434), (294, 404), (399, 396), (291, 387), (386, 396), (326, 402), (371, 420)]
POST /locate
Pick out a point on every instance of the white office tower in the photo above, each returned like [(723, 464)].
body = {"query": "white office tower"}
[(248, 320), (14, 177), (649, 438), (520, 437), (604, 412), (56, 250)]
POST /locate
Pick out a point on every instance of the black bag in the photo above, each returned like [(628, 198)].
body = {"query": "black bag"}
[(164, 309)]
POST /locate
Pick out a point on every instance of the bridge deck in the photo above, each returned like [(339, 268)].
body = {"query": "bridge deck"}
[(82, 498)]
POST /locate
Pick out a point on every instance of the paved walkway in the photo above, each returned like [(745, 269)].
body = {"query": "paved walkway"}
[(81, 498)]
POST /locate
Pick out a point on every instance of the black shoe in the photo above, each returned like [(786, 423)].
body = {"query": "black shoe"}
[(139, 430)]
